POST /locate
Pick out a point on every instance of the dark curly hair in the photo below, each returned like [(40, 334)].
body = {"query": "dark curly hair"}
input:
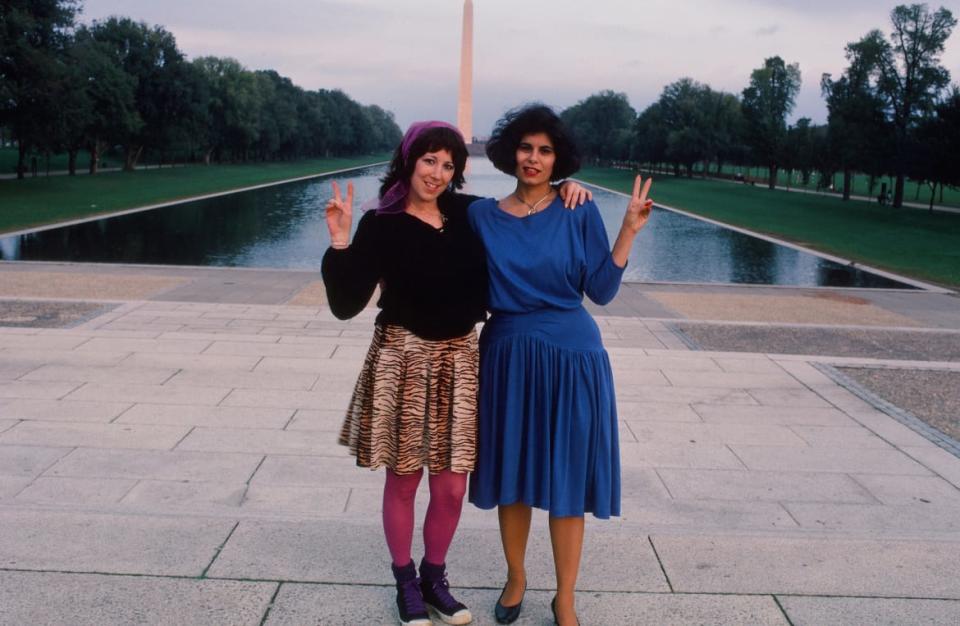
[(525, 120), (430, 140)]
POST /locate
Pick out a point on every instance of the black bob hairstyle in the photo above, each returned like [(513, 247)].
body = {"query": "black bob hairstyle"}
[(529, 119), (430, 140)]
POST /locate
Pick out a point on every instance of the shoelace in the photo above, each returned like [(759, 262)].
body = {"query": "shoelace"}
[(412, 599), (442, 589)]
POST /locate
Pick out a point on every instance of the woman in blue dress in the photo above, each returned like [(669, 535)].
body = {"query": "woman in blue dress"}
[(547, 413)]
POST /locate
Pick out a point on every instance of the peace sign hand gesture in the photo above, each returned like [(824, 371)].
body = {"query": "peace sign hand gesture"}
[(639, 208), (339, 216)]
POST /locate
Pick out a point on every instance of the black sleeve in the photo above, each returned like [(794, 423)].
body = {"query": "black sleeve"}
[(350, 275)]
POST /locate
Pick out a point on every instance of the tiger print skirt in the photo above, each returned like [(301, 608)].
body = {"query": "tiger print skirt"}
[(415, 404)]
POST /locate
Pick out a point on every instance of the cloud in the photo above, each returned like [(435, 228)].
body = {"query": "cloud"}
[(767, 31)]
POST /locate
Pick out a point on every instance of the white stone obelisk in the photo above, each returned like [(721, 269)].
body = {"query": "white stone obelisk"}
[(465, 101)]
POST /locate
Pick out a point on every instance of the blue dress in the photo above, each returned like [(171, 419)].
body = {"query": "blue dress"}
[(547, 412)]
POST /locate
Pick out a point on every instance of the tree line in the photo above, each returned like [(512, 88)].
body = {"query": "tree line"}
[(122, 84), (891, 112)]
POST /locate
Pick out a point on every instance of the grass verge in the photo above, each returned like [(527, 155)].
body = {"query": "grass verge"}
[(44, 200), (912, 242)]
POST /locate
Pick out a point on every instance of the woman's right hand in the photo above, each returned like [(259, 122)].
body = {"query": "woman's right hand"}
[(340, 216)]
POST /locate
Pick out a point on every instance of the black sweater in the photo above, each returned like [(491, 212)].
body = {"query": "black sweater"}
[(432, 282)]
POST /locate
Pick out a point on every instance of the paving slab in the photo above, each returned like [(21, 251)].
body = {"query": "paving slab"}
[(839, 437), (326, 551), (262, 441), (904, 490), (244, 380), (310, 419), (291, 399), (875, 611), (680, 432), (744, 485), (785, 415), (121, 544), (864, 460), (186, 497), (876, 518), (656, 412), (10, 486), (37, 358), (297, 604), (63, 410), (937, 460), (691, 455), (99, 600), (35, 389), (157, 394), (77, 434), (193, 362), (88, 492), (110, 375), (207, 416), (147, 464), (809, 566), (315, 471), (28, 461), (704, 515)]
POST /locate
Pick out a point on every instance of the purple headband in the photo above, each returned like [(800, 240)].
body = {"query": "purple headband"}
[(394, 199)]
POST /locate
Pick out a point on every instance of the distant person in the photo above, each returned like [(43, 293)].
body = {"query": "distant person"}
[(414, 404), (548, 418)]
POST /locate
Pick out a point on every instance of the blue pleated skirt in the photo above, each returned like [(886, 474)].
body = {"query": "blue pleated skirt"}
[(547, 416)]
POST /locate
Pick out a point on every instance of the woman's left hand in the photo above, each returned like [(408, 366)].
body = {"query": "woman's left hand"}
[(574, 194), (639, 208)]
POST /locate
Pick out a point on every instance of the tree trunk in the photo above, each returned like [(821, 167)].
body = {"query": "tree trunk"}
[(21, 160), (72, 161), (94, 156), (898, 191), (847, 181), (772, 182), (132, 156)]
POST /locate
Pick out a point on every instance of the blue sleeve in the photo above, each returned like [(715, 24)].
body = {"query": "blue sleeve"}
[(602, 277)]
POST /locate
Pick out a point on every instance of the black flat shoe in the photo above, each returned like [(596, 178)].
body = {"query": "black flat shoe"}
[(508, 614), (553, 609)]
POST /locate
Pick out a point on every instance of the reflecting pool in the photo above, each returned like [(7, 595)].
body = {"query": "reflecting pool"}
[(283, 227)]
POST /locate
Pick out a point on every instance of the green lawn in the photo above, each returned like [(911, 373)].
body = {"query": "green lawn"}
[(44, 200), (907, 241), (913, 191)]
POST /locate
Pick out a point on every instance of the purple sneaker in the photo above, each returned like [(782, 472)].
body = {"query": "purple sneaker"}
[(409, 597), (436, 594)]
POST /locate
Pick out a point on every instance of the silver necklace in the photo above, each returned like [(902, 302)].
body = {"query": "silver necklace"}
[(532, 208)]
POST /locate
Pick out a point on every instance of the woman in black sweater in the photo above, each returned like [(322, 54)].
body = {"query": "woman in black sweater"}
[(414, 404)]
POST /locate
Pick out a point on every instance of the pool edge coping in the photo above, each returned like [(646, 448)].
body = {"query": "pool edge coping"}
[(929, 287)]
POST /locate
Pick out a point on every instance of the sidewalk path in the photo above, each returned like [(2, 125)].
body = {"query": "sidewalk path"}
[(168, 455)]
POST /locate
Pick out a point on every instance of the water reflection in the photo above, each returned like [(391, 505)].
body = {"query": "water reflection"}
[(283, 226)]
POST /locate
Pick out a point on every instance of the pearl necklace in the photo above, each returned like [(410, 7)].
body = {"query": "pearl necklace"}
[(531, 208)]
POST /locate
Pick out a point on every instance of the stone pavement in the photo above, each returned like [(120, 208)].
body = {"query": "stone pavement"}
[(168, 456)]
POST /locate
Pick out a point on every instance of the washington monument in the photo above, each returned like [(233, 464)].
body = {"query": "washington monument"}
[(465, 101)]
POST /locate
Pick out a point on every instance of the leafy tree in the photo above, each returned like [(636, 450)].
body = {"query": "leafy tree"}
[(933, 157), (907, 73), (857, 123), (601, 125), (766, 103), (150, 55), (33, 34), (650, 134)]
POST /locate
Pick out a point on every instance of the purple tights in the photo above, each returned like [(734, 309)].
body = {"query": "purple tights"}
[(443, 513)]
